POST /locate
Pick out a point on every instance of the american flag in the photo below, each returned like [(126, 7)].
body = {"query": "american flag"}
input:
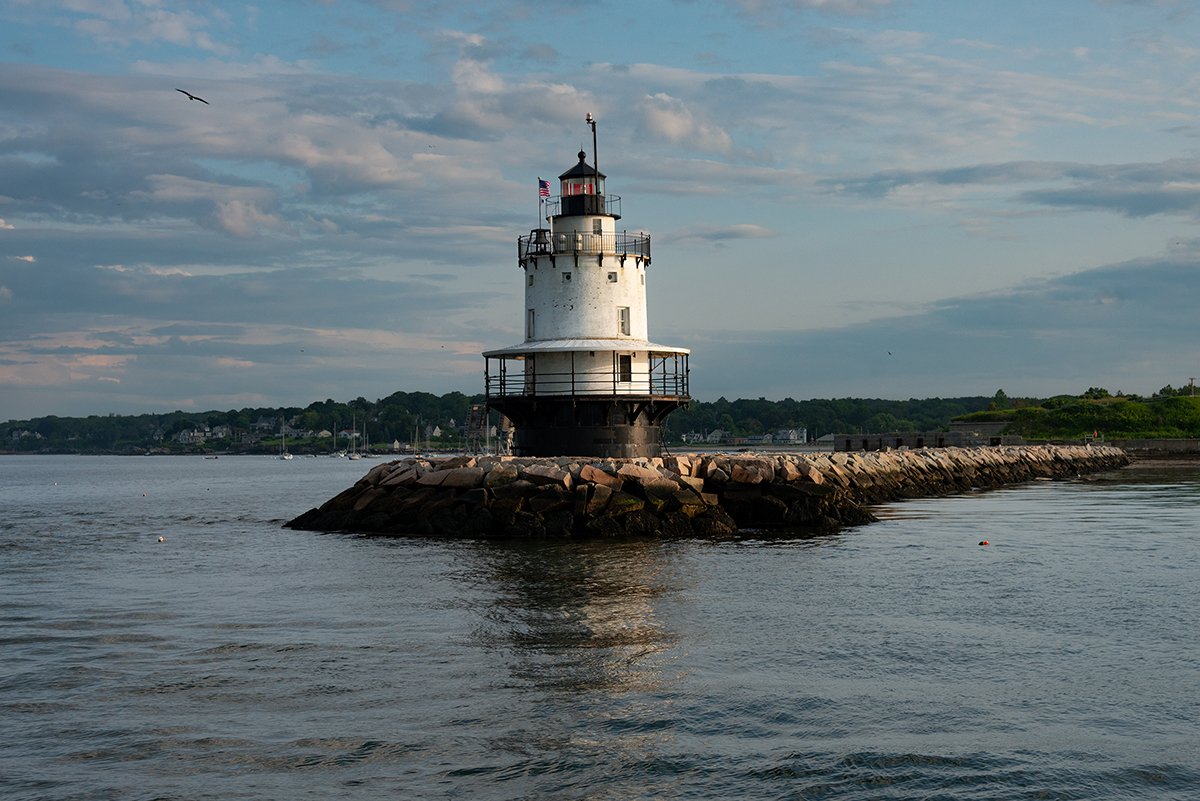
[(543, 188)]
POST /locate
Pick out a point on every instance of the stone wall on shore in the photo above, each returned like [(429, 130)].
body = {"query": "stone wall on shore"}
[(688, 495), (1159, 448)]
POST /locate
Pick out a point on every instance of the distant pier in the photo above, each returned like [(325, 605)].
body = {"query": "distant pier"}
[(688, 495)]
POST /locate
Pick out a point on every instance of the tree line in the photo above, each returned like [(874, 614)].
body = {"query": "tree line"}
[(409, 416), (401, 416), (1169, 414)]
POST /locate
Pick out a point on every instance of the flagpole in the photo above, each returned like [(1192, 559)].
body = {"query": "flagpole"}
[(595, 158), (541, 205)]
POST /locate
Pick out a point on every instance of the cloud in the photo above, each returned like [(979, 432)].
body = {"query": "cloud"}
[(178, 188), (29, 259), (902, 106), (206, 366), (259, 66), (885, 182), (541, 51), (242, 218), (1086, 329), (6, 294), (237, 210), (117, 23), (669, 119), (1131, 198), (4, 226), (1132, 190), (721, 233), (770, 9)]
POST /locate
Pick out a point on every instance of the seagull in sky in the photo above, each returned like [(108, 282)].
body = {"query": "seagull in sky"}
[(191, 96)]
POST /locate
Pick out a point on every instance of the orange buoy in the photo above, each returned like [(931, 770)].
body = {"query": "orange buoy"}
[(984, 542)]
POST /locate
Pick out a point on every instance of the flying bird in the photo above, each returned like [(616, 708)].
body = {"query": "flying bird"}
[(191, 96)]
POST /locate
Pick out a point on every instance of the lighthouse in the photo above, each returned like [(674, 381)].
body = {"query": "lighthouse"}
[(587, 380)]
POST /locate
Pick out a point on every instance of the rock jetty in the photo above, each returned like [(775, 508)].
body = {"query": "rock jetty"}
[(689, 495)]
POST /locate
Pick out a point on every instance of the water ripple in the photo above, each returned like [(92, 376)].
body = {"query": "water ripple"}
[(237, 660)]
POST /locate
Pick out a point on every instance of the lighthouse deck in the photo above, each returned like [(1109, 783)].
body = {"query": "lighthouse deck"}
[(544, 242), (639, 384), (518, 390)]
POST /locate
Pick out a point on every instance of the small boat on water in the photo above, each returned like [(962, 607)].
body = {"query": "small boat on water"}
[(283, 451), (355, 453)]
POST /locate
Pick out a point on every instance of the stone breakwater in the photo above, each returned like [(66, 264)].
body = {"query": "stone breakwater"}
[(689, 495)]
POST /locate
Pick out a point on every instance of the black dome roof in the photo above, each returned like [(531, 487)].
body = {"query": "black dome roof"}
[(581, 170)]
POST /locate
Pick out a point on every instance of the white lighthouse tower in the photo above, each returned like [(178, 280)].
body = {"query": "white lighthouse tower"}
[(587, 381)]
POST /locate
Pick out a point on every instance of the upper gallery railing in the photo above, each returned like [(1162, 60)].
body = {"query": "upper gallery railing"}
[(543, 242)]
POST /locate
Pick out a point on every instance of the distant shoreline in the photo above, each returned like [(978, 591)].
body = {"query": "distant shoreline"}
[(1185, 453)]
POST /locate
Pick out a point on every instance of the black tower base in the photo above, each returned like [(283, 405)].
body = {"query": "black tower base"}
[(605, 427)]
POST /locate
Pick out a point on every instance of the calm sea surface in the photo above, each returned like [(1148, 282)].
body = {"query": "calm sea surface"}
[(901, 660)]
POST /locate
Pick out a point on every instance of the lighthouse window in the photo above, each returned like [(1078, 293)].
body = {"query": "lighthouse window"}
[(625, 368), (623, 320), (529, 325), (531, 280), (566, 278), (597, 226), (612, 278)]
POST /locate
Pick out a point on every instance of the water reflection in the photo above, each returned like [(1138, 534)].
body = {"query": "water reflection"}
[(583, 636), (580, 617)]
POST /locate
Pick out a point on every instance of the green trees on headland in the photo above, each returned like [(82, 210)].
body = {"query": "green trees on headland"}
[(1171, 414)]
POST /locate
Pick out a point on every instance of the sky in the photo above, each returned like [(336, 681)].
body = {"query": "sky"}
[(846, 198)]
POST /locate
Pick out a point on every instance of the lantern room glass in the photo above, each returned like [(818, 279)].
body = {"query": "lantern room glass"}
[(582, 185)]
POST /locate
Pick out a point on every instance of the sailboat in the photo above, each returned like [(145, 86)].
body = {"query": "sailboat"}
[(283, 451), (353, 454), (336, 453), (366, 444)]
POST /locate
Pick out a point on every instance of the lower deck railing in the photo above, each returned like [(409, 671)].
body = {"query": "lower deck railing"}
[(666, 377)]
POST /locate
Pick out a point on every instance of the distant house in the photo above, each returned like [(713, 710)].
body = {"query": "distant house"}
[(222, 432), (790, 436), (192, 436), (264, 424), (324, 433), (716, 436)]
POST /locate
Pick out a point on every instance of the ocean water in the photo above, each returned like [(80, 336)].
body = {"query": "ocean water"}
[(900, 660)]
